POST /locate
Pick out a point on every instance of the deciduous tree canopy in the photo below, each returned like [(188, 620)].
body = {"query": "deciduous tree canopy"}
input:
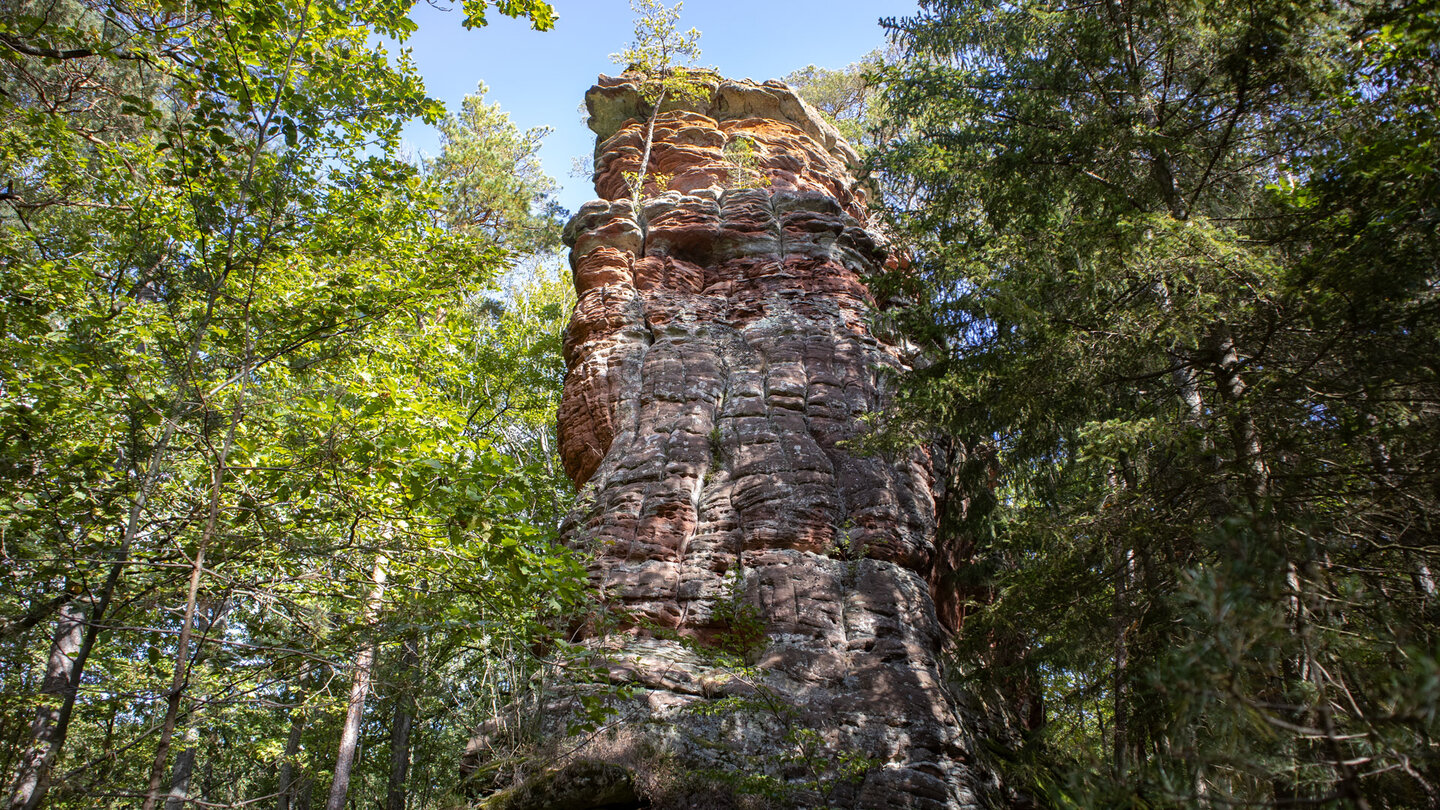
[(251, 373)]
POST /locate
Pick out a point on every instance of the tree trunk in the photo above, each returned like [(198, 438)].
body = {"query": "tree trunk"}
[(1124, 563), (1245, 438), (401, 727), (185, 763), (639, 191), (207, 781), (286, 781), (47, 732), (359, 688), (37, 787), (181, 675), (178, 679), (305, 796), (180, 777)]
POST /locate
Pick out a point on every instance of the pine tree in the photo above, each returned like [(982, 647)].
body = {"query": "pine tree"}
[(1177, 264)]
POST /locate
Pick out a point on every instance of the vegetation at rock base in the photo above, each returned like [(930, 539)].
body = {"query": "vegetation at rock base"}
[(1177, 264)]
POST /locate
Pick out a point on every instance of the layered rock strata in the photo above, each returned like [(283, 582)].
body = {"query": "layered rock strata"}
[(767, 612)]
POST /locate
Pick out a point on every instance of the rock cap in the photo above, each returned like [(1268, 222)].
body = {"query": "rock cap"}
[(616, 100)]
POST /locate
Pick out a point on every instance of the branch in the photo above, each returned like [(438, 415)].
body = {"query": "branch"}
[(37, 614), (14, 43)]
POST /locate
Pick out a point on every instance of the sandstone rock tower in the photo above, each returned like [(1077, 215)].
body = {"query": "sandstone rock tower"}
[(765, 585)]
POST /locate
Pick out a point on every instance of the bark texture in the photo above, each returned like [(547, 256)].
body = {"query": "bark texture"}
[(359, 690), (766, 589), (48, 729)]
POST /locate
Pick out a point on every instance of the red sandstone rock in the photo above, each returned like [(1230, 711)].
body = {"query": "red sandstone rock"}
[(720, 361)]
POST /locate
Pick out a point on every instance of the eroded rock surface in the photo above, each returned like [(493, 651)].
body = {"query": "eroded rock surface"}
[(764, 586)]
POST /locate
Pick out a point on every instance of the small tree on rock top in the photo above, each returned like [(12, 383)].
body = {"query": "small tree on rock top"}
[(661, 59)]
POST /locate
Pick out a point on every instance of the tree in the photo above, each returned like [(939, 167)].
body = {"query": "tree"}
[(1153, 260), (659, 57), (210, 250), (359, 689), (850, 98), (495, 188), (44, 734)]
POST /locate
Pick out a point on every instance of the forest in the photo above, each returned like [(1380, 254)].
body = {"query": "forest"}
[(281, 501)]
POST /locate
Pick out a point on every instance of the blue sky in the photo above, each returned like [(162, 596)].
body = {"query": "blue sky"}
[(541, 78)]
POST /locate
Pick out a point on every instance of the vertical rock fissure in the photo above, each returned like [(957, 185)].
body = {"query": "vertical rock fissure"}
[(779, 226), (785, 568)]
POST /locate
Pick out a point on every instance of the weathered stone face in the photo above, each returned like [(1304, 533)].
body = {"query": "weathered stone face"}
[(721, 359)]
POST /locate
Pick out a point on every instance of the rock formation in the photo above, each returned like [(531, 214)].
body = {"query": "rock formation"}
[(768, 615)]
